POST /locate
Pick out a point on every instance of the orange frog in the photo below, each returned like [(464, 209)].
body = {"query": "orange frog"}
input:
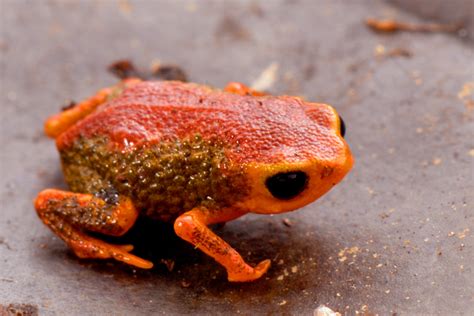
[(191, 155)]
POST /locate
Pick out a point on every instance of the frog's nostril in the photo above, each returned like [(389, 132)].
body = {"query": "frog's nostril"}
[(342, 126), (287, 185)]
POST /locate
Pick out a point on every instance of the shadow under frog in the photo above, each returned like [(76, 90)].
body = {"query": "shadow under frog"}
[(306, 268), (286, 246)]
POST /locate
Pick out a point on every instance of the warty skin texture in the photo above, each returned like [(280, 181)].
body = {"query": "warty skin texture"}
[(189, 154), (263, 135)]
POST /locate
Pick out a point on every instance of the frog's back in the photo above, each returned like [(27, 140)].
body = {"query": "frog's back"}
[(251, 128), (173, 146)]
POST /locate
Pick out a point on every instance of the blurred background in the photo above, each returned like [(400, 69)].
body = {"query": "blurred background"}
[(394, 238)]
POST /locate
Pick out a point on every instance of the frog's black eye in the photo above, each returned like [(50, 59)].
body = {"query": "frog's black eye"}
[(343, 126), (287, 185)]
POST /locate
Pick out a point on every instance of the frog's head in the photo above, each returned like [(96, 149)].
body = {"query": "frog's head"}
[(304, 158)]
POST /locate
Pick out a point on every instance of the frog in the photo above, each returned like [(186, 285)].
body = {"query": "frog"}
[(190, 155)]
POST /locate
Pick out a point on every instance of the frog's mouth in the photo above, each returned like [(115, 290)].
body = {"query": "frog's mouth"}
[(287, 185)]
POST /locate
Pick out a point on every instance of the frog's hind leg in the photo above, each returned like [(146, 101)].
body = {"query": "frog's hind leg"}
[(57, 124), (68, 214)]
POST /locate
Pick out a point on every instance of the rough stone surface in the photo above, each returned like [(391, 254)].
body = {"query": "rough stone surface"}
[(396, 236)]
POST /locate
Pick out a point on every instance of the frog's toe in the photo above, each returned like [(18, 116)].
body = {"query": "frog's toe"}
[(126, 248), (92, 248), (248, 274), (263, 267), (130, 259)]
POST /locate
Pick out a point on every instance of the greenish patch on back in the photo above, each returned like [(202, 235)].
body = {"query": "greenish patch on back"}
[(164, 180)]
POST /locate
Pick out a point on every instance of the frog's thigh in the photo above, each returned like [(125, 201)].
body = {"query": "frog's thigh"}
[(192, 227), (67, 214)]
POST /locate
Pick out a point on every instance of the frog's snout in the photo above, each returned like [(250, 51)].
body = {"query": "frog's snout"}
[(287, 185), (342, 126)]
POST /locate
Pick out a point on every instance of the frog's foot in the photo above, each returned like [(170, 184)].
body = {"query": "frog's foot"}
[(57, 124), (192, 227), (241, 89), (247, 273), (67, 214)]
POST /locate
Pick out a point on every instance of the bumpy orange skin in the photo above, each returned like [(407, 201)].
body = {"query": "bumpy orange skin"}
[(260, 135), (257, 129), (266, 134)]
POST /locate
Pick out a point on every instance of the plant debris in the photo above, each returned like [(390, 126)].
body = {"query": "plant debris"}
[(69, 104), (168, 72), (124, 69), (391, 26), (399, 52), (381, 51), (267, 78)]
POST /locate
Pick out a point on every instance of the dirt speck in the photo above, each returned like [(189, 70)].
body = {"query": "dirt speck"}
[(229, 28), (466, 95), (387, 214), (256, 10), (437, 161), (125, 7), (379, 50), (18, 310), (325, 311), (462, 235), (287, 222), (169, 263), (5, 243), (348, 252), (191, 6), (69, 104)]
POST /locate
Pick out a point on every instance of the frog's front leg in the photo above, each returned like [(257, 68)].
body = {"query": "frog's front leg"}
[(192, 227), (67, 214), (241, 89)]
